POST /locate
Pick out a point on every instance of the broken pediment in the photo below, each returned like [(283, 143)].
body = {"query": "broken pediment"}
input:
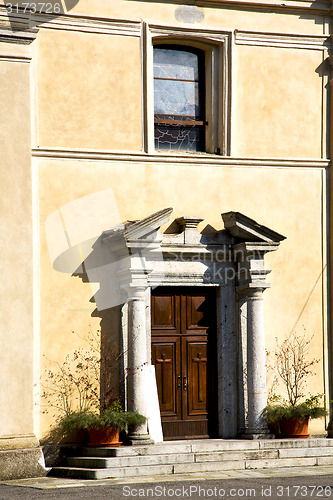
[(139, 229), (242, 227), (238, 227)]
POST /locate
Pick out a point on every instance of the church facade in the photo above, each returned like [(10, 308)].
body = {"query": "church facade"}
[(166, 184)]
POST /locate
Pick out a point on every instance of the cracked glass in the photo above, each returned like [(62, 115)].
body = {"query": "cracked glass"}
[(179, 98)]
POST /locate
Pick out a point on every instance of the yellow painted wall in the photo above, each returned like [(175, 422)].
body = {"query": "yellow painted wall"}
[(277, 102), (16, 340), (89, 88), (214, 16), (88, 97), (272, 196)]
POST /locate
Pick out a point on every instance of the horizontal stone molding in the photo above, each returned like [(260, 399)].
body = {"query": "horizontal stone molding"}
[(193, 159), (179, 31), (15, 58), (283, 40), (288, 6), (17, 37), (14, 442), (86, 24)]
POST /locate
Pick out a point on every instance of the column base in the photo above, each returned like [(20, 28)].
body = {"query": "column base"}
[(140, 439), (258, 434)]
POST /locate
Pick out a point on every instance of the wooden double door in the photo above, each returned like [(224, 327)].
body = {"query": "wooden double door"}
[(184, 354)]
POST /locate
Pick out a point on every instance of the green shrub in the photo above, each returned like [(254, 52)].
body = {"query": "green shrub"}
[(310, 408), (86, 420)]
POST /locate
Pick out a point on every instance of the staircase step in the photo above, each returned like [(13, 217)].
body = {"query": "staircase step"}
[(296, 443), (99, 462), (196, 456), (235, 455), (209, 466), (281, 462), (130, 451), (120, 472), (305, 452), (213, 445)]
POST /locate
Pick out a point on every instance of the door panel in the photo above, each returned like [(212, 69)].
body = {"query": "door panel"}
[(196, 309), (197, 378), (184, 355), (163, 312), (166, 358)]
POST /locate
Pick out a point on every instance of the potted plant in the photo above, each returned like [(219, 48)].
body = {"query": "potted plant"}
[(104, 426), (79, 391), (292, 421), (289, 417)]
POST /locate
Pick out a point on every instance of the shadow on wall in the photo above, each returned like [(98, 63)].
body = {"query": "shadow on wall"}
[(26, 15)]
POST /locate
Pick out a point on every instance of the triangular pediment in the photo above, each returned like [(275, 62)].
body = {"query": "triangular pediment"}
[(242, 227), (144, 227)]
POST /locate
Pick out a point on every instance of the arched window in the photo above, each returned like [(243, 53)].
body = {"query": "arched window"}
[(179, 98)]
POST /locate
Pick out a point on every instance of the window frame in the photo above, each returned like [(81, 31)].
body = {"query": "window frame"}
[(216, 46)]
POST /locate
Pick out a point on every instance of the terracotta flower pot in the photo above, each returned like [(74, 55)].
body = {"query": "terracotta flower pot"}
[(104, 437), (295, 427), (274, 428)]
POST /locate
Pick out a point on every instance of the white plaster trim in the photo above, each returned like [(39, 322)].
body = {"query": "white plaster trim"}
[(71, 22), (34, 97), (36, 297), (217, 45), (283, 40), (193, 159), (325, 286), (295, 6), (15, 58), (87, 24), (17, 37), (180, 31)]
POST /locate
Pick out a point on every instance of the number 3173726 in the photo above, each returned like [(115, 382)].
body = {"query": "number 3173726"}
[(31, 7)]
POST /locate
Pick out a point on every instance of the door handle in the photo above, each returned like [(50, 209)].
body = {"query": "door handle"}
[(185, 383), (179, 383)]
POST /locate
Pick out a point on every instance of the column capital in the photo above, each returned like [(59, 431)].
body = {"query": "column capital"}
[(252, 288), (136, 292), (250, 266), (134, 282)]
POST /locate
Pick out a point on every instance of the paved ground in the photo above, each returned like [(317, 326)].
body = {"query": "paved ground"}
[(297, 482), (254, 484)]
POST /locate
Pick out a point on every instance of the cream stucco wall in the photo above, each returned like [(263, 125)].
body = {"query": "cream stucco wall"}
[(272, 196), (87, 96), (16, 339), (89, 99), (85, 90), (215, 16), (277, 102)]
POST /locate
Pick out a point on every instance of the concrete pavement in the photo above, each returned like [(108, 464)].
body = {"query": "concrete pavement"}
[(47, 483)]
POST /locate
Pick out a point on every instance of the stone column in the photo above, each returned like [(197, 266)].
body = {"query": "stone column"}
[(251, 281), (137, 360), (242, 363), (256, 366)]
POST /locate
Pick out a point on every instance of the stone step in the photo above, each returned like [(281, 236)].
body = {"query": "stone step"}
[(130, 451), (101, 462), (183, 468), (180, 457), (217, 456), (209, 446), (296, 443), (120, 472)]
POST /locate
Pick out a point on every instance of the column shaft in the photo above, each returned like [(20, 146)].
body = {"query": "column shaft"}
[(137, 360), (256, 366)]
